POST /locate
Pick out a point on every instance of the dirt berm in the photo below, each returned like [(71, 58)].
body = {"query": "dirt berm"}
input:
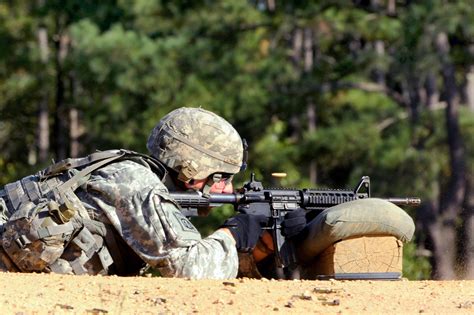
[(60, 294)]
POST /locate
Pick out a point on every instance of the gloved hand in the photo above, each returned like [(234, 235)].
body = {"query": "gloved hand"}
[(293, 223), (246, 230)]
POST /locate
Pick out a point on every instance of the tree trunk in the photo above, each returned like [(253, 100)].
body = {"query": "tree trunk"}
[(43, 112), (311, 114), (309, 54), (391, 7), (271, 5), (413, 89), (443, 231), (76, 127), (426, 216), (296, 56), (432, 94), (468, 209), (443, 235), (297, 47), (308, 50), (457, 187), (61, 113), (75, 131), (379, 74), (467, 259), (470, 88)]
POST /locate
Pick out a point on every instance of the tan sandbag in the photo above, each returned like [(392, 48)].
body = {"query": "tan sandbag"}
[(364, 217)]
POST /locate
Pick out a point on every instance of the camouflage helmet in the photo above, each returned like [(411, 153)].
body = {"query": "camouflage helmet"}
[(196, 143)]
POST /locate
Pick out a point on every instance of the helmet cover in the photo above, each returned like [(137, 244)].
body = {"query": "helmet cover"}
[(196, 143)]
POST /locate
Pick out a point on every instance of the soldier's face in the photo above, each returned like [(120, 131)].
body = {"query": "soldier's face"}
[(222, 187)]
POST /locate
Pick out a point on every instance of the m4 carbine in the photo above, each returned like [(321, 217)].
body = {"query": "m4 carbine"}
[(274, 203)]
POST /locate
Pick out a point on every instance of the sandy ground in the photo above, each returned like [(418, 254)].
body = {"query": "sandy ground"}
[(59, 294)]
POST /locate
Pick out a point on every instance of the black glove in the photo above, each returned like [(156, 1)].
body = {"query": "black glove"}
[(293, 223), (246, 230)]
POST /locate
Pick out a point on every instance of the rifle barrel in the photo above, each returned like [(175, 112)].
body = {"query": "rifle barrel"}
[(405, 201)]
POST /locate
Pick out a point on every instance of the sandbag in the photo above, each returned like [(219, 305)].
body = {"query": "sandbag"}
[(361, 217)]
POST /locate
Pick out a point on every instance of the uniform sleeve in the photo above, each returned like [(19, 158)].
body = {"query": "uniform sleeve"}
[(138, 205)]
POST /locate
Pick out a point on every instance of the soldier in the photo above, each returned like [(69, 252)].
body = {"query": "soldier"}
[(111, 212)]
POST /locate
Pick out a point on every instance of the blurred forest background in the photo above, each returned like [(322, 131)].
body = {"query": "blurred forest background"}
[(326, 91)]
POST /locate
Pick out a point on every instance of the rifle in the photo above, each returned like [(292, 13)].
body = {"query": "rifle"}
[(274, 203)]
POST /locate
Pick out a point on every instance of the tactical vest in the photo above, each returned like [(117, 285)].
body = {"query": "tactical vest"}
[(47, 227)]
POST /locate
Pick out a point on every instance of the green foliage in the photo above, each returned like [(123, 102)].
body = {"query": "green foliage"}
[(275, 155), (415, 267), (208, 224)]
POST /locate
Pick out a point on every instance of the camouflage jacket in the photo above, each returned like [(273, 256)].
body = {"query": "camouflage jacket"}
[(136, 202), (123, 214)]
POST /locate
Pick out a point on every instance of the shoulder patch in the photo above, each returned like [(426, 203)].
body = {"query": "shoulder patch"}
[(186, 225)]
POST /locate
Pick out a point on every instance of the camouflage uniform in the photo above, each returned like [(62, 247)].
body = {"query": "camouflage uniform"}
[(138, 205), (147, 226)]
